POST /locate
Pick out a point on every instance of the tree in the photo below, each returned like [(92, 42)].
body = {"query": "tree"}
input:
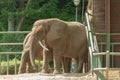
[(21, 14), (16, 15)]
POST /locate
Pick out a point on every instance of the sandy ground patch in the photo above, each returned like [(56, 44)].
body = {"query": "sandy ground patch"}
[(113, 75), (38, 76)]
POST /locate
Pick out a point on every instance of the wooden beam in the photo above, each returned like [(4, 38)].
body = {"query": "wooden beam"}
[(107, 15), (107, 29)]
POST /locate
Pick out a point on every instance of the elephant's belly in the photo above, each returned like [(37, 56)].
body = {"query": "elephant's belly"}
[(72, 54), (75, 51), (39, 57)]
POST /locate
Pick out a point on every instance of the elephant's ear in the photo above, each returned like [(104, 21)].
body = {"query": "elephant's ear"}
[(57, 30)]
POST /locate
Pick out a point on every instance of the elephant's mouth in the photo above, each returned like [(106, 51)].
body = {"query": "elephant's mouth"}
[(42, 44)]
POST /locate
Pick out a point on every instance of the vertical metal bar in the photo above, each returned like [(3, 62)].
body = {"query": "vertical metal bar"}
[(90, 33), (101, 47), (112, 55), (91, 46), (90, 50), (83, 10), (76, 14), (7, 64), (108, 60), (101, 50), (15, 64), (91, 59), (107, 25), (95, 44), (107, 64), (108, 41), (96, 50), (39, 66), (0, 64)]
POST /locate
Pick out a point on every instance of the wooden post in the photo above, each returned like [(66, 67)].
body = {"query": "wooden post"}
[(107, 28)]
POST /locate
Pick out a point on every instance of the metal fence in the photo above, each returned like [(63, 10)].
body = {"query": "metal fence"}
[(8, 53), (96, 54)]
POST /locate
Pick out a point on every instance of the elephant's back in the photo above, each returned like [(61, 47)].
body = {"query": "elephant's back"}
[(76, 30), (76, 38)]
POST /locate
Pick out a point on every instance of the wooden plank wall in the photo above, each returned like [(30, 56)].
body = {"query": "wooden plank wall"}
[(99, 24), (99, 15), (115, 27), (99, 18)]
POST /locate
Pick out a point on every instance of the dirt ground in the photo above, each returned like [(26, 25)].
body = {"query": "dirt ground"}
[(38, 76), (113, 75)]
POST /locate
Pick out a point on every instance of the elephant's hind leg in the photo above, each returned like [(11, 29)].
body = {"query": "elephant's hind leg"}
[(80, 65), (66, 63)]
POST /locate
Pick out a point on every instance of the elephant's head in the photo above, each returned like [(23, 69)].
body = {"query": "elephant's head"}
[(47, 30)]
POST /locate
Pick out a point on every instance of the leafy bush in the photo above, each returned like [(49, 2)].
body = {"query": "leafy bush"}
[(11, 64), (11, 67)]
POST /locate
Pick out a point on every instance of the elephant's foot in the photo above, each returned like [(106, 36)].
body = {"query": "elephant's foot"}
[(56, 72), (29, 71), (45, 71), (21, 71)]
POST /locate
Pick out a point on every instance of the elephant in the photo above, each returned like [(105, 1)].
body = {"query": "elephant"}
[(25, 65), (67, 39), (25, 59)]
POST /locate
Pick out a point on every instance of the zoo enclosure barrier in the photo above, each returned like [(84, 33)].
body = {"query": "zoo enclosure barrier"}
[(96, 54), (15, 53), (8, 53)]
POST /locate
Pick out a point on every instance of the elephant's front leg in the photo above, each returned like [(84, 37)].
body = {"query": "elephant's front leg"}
[(29, 69), (45, 62), (22, 67), (57, 60)]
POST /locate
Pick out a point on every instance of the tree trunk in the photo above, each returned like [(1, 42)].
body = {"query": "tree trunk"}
[(10, 23), (21, 22)]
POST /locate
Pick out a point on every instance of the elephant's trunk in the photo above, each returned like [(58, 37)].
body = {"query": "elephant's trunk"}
[(32, 48)]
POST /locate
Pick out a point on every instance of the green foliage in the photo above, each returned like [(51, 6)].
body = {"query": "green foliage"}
[(11, 66), (4, 64), (11, 38), (38, 9)]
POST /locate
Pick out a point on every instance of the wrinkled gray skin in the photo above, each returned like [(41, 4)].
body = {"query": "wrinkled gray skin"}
[(67, 39), (25, 65)]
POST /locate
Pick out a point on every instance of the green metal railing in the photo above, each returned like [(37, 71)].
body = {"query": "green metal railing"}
[(15, 53), (96, 55), (12, 52)]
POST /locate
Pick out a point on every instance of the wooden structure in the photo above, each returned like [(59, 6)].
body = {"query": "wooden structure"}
[(106, 19)]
